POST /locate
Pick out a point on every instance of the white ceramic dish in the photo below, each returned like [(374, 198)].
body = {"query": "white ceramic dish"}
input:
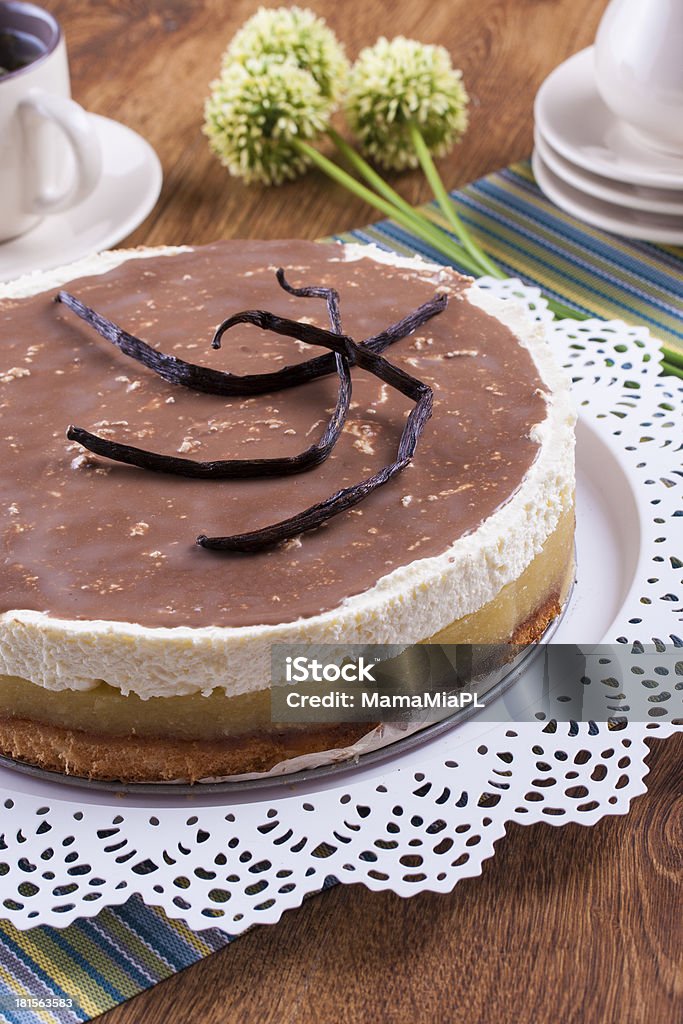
[(125, 194), (573, 118), (649, 227), (634, 197)]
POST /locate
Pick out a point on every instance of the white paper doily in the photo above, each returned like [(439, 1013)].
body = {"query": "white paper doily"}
[(428, 817)]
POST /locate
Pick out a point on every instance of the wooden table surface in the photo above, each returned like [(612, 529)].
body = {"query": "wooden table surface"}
[(570, 924)]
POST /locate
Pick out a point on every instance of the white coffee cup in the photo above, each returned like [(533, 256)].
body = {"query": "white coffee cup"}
[(639, 69), (45, 137)]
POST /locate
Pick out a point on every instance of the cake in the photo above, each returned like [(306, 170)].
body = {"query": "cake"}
[(128, 651)]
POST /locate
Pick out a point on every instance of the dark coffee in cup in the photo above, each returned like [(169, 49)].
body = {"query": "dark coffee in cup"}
[(18, 49)]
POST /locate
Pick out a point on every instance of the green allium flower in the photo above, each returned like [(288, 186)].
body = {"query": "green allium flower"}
[(297, 35), (255, 114), (394, 84)]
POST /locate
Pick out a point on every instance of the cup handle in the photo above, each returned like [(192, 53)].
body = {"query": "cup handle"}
[(80, 133)]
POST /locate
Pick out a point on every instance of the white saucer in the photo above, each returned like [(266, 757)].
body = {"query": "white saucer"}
[(650, 227), (574, 120), (634, 197), (127, 191)]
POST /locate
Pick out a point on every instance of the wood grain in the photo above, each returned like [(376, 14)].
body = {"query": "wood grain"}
[(574, 925), (150, 64), (571, 924)]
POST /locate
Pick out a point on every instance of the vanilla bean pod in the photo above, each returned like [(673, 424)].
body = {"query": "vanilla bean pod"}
[(238, 468), (219, 382), (344, 352), (344, 499)]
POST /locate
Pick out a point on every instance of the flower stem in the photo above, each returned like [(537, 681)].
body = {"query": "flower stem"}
[(444, 200), (442, 241), (675, 371), (672, 357), (415, 224)]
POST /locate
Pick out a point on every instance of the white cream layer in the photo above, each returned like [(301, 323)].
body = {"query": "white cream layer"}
[(407, 605)]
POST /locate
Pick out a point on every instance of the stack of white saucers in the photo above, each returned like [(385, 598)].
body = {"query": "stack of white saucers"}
[(595, 167)]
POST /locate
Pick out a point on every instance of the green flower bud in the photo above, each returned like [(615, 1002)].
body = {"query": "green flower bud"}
[(256, 112), (399, 82), (296, 35)]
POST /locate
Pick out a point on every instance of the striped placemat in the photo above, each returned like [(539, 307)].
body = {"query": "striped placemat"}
[(95, 964)]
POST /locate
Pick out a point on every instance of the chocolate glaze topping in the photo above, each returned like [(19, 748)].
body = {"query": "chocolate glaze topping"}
[(89, 539)]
